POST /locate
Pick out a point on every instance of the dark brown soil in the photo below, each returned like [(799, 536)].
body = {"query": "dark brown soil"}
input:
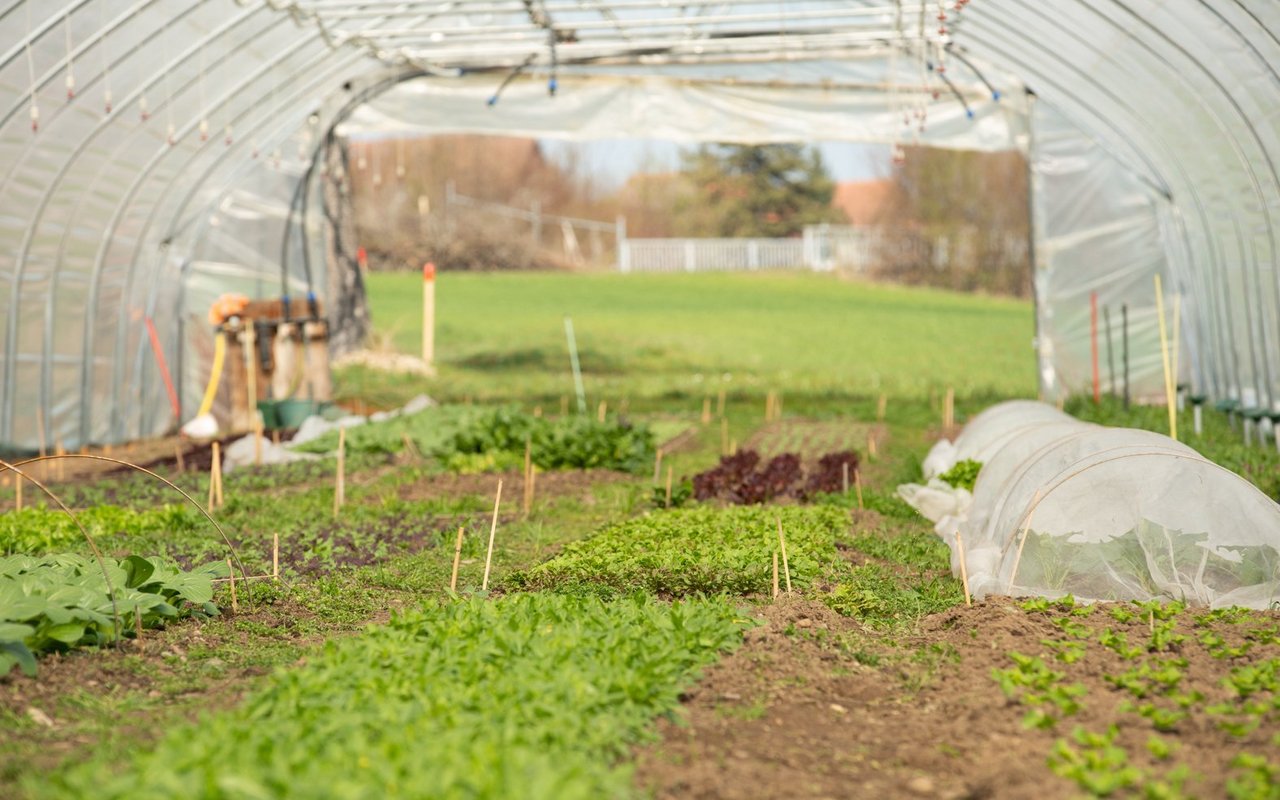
[(815, 706)]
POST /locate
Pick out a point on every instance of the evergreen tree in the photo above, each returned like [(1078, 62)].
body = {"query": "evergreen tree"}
[(762, 190)]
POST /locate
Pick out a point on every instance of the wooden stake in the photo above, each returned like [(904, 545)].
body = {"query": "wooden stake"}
[(720, 403), (768, 406), (949, 409), (537, 412), (528, 477), (17, 492), (964, 569), (872, 448), (706, 411), (857, 485), (733, 447), (775, 574), (215, 477), (235, 604), (533, 485), (786, 570), (275, 555), (179, 458), (844, 476), (40, 430), (724, 436), (602, 411), (457, 559), (493, 530), (257, 439), (409, 446), (275, 438), (61, 463), (657, 465), (881, 407), (1022, 540), (669, 473), (340, 478)]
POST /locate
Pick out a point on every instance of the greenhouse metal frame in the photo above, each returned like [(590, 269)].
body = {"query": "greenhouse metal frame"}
[(157, 153)]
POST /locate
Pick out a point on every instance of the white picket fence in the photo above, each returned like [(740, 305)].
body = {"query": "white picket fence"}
[(821, 248)]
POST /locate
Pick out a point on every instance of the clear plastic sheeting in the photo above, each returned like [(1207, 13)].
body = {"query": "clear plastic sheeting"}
[(1066, 507), (128, 129)]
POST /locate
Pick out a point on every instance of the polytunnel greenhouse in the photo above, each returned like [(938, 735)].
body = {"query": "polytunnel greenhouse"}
[(159, 154), (1063, 507)]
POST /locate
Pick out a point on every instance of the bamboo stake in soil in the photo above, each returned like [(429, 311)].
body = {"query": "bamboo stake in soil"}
[(949, 409), (537, 412), (340, 478), (275, 555), (275, 438), (657, 465), (1022, 540), (602, 411), (775, 574), (61, 464), (881, 407), (1164, 357), (669, 473), (857, 484), (786, 570), (17, 492), (457, 559), (872, 448), (768, 406), (257, 440), (844, 476), (527, 498), (964, 569), (706, 411), (720, 404), (493, 530), (179, 458), (235, 604)]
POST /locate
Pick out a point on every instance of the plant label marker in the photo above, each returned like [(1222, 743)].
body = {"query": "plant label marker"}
[(857, 485), (964, 569), (657, 465), (235, 604), (457, 559), (493, 530), (882, 405), (775, 574), (340, 477), (786, 569), (669, 473), (275, 555)]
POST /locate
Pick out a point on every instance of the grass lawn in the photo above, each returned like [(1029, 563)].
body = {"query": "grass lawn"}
[(502, 335)]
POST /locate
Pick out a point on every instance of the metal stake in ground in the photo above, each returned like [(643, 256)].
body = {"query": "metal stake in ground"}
[(577, 367), (493, 530)]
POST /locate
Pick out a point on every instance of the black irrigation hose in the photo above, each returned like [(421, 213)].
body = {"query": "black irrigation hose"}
[(951, 51), (511, 76), (959, 97)]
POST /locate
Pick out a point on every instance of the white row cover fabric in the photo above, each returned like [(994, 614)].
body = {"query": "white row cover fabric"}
[(171, 136), (1108, 514)]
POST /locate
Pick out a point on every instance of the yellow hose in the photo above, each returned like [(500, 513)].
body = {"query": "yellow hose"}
[(219, 355)]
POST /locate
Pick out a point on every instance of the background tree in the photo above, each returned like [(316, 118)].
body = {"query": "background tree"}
[(764, 190)]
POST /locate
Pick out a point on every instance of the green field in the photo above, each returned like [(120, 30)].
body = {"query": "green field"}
[(502, 335)]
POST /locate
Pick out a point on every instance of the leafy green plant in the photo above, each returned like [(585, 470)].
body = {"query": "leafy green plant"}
[(63, 601), (883, 598), (1033, 683), (963, 475), (525, 696), (1096, 763), (1258, 778), (688, 551)]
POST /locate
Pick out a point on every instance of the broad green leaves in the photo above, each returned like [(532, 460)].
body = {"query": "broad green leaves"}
[(63, 601)]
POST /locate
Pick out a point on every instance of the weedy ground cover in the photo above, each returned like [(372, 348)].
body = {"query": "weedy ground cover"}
[(524, 696)]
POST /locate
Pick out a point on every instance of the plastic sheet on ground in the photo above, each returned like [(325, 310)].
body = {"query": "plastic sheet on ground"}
[(242, 453)]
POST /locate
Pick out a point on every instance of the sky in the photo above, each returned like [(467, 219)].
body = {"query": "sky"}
[(615, 160)]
